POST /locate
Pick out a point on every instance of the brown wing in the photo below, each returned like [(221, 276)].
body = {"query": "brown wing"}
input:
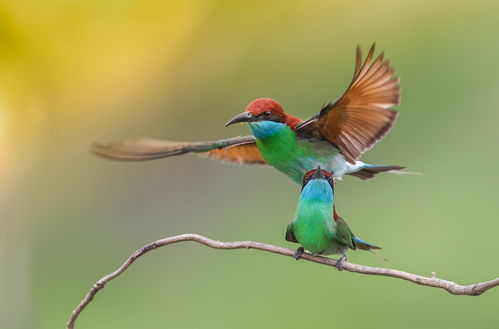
[(238, 150), (244, 154), (361, 116)]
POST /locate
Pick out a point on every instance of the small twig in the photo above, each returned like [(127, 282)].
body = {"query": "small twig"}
[(452, 287)]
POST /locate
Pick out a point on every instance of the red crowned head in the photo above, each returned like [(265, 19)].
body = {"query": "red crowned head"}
[(264, 109), (261, 105)]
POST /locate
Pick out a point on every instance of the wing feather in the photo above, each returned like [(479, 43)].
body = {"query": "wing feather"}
[(361, 116), (238, 150), (242, 154)]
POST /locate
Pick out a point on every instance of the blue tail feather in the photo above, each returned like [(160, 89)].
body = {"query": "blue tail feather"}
[(363, 245)]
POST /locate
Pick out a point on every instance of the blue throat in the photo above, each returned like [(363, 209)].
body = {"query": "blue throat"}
[(317, 190), (266, 129)]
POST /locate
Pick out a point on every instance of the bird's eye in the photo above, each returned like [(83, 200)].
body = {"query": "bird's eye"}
[(266, 113)]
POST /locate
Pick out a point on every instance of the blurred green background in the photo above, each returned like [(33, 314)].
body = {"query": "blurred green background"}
[(74, 72)]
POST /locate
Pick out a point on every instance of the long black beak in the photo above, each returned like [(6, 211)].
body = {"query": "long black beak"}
[(241, 117), (318, 174)]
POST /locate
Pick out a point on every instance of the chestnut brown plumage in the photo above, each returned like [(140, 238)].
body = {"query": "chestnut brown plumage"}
[(361, 116)]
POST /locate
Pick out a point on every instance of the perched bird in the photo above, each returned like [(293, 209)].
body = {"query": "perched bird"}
[(317, 226), (334, 138)]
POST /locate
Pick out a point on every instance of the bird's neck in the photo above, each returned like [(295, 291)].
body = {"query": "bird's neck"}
[(319, 193), (268, 129), (291, 121), (318, 190), (265, 129), (316, 205)]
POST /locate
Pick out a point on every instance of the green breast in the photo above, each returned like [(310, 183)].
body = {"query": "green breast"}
[(312, 226), (283, 152), (281, 148)]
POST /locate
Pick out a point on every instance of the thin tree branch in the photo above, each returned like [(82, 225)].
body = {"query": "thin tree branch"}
[(452, 287)]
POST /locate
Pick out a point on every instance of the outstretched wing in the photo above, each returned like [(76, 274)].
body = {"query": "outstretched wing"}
[(360, 117), (238, 150)]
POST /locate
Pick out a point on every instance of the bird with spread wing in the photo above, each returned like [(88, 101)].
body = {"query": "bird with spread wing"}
[(333, 139)]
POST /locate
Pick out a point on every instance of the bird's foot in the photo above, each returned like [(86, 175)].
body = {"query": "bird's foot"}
[(340, 262), (298, 253)]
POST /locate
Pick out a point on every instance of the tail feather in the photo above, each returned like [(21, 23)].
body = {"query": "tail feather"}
[(363, 245), (368, 171)]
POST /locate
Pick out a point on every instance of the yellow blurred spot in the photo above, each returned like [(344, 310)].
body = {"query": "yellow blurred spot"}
[(2, 126), (3, 141)]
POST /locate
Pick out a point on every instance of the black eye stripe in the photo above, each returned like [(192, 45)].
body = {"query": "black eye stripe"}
[(269, 116)]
